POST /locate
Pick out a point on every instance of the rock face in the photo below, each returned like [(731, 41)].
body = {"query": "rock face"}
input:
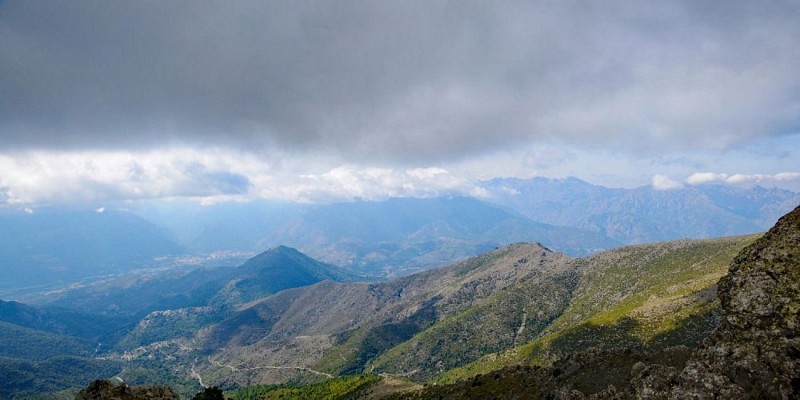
[(756, 351)]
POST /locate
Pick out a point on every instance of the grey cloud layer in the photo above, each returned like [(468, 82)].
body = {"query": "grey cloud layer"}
[(395, 80)]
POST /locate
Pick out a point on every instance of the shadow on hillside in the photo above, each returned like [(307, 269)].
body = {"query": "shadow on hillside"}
[(375, 341)]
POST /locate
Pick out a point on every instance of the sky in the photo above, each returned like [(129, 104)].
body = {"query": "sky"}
[(319, 101)]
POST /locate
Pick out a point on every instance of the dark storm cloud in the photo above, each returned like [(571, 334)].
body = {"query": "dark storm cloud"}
[(403, 80)]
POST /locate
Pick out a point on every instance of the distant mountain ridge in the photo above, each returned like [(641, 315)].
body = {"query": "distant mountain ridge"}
[(518, 304), (54, 244), (405, 235), (387, 238), (382, 238), (644, 214)]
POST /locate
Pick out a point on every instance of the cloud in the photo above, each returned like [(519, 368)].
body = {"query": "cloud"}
[(42, 177), (664, 182), (353, 182), (412, 82), (209, 176), (700, 178)]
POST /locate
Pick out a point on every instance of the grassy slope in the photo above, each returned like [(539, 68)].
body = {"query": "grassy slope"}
[(645, 297), (492, 326), (336, 388), (439, 295)]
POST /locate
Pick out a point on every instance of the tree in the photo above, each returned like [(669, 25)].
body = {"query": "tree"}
[(211, 393)]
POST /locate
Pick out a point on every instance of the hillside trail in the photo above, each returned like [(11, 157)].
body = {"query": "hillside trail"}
[(234, 368), (197, 375)]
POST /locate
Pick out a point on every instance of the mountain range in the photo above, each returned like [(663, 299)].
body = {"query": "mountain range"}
[(520, 312), (54, 246), (644, 214), (284, 318)]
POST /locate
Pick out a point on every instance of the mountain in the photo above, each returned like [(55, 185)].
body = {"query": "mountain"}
[(59, 321), (405, 235), (644, 214), (41, 348), (57, 245), (386, 238), (46, 350), (519, 304), (274, 270), (52, 245), (331, 327), (643, 298), (521, 320), (752, 355), (232, 226)]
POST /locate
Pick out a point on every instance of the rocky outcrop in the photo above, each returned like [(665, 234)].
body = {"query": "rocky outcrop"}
[(106, 390), (756, 352)]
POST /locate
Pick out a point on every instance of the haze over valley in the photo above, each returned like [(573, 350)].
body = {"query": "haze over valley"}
[(391, 200)]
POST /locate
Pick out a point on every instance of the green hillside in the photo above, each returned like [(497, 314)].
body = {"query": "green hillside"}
[(522, 304), (30, 344), (644, 297), (22, 378), (336, 388), (339, 328), (274, 270), (515, 315)]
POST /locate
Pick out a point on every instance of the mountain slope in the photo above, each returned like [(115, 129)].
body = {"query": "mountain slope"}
[(272, 271), (25, 378), (514, 315), (59, 321), (338, 327), (30, 344), (635, 297), (452, 319), (269, 272), (49, 350), (753, 354)]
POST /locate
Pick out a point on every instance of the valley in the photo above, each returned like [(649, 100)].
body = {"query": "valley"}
[(518, 304), (392, 200), (234, 319)]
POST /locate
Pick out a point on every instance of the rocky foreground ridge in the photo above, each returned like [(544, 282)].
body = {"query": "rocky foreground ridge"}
[(756, 351), (754, 354)]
